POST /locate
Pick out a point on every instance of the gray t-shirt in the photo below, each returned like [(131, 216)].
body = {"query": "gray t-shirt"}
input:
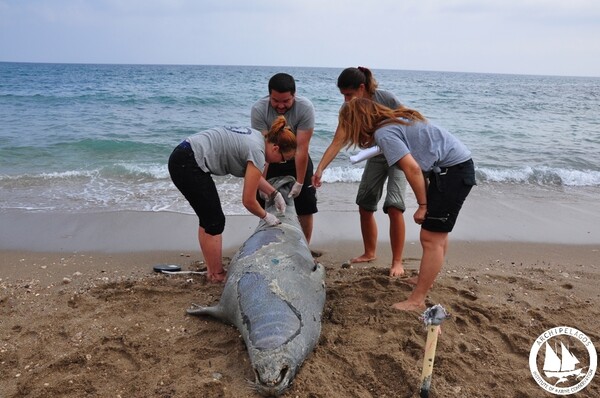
[(301, 116), (386, 98), (227, 150), (429, 144)]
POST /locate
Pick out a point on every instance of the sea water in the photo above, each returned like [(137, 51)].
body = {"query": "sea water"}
[(92, 138)]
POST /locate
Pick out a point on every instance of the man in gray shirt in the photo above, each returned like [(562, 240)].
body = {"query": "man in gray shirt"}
[(300, 115)]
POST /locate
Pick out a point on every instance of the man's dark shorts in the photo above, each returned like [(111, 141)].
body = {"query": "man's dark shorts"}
[(446, 194), (306, 202), (198, 188)]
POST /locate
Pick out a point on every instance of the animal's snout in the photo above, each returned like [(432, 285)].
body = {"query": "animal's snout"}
[(274, 383), (270, 380)]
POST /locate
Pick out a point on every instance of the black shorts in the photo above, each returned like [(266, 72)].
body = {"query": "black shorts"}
[(306, 202), (446, 194), (198, 187)]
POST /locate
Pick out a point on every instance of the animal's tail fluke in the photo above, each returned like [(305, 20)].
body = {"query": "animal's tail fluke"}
[(198, 310)]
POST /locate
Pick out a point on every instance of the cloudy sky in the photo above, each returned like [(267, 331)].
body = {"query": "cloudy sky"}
[(545, 37)]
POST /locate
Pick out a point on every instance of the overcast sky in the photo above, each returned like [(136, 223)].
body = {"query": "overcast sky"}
[(544, 37)]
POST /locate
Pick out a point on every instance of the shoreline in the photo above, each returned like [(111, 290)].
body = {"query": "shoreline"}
[(515, 215)]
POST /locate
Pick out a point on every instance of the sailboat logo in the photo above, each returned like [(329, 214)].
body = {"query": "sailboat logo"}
[(561, 368), (566, 368)]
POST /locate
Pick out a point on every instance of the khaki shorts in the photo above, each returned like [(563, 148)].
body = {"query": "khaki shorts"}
[(370, 189)]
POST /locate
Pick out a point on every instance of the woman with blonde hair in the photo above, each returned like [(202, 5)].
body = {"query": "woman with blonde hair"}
[(241, 152), (438, 168)]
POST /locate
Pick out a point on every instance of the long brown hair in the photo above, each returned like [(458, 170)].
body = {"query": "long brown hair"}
[(360, 117), (281, 135)]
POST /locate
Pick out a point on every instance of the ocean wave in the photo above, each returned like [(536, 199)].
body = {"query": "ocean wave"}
[(122, 173), (150, 189), (151, 171), (57, 175), (176, 99), (127, 100), (118, 173), (543, 176), (342, 174)]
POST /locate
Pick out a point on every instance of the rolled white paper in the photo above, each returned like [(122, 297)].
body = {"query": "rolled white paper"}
[(365, 154)]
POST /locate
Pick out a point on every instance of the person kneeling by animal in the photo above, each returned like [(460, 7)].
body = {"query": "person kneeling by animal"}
[(419, 148), (241, 152)]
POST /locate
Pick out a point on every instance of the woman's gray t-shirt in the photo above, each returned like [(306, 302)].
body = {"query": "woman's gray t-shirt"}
[(227, 150), (429, 144)]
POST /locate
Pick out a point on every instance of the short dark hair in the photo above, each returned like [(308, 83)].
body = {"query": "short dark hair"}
[(282, 83)]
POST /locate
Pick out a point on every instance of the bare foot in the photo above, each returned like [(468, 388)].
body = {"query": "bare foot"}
[(218, 277), (363, 259), (397, 270), (409, 306), (411, 281)]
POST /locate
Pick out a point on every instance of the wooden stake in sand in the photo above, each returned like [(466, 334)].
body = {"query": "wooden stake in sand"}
[(433, 318)]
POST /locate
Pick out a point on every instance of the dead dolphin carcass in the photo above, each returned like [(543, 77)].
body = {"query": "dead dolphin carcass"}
[(274, 295)]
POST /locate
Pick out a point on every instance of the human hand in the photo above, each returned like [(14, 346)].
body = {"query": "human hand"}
[(280, 204), (420, 215), (316, 179), (295, 190), (270, 219)]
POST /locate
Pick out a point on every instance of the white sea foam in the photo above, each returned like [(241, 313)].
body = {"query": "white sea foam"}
[(545, 176), (342, 174)]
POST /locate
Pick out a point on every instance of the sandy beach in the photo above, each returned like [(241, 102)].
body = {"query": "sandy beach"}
[(82, 314)]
